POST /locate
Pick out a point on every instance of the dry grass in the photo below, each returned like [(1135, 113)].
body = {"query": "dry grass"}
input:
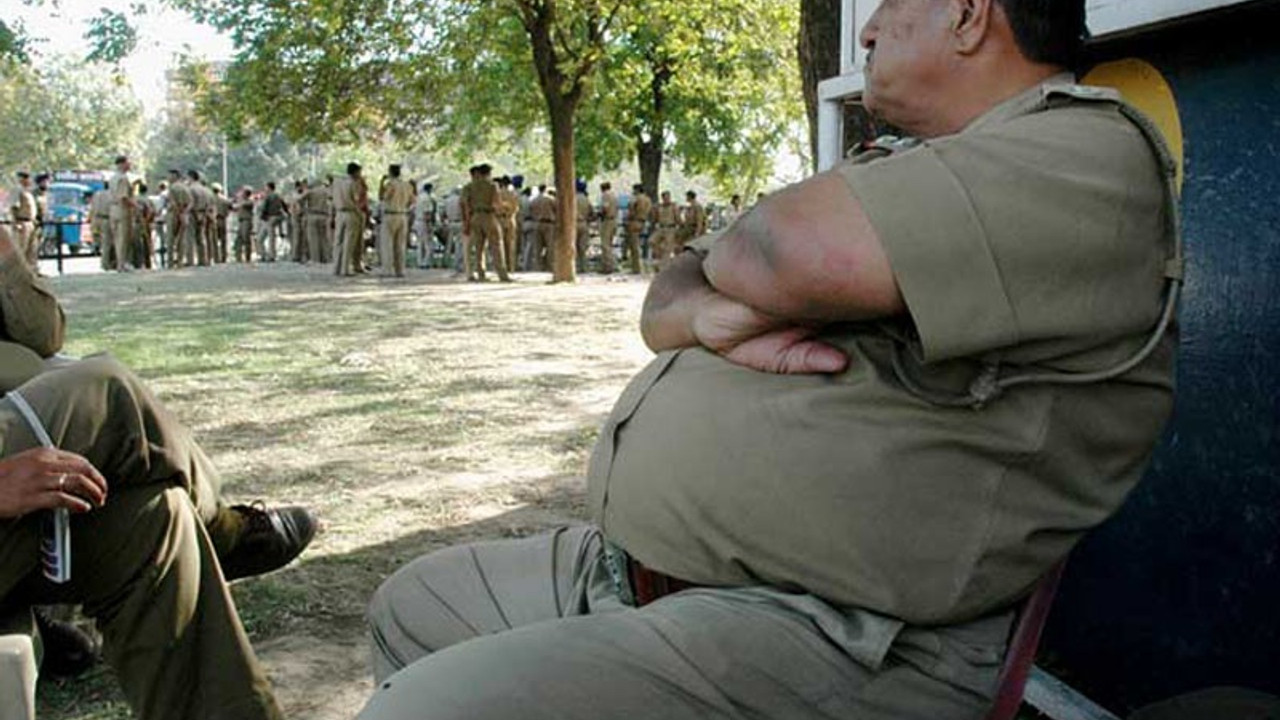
[(409, 414)]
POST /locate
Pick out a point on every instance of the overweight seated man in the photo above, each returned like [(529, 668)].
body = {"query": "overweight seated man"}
[(152, 544), (885, 402)]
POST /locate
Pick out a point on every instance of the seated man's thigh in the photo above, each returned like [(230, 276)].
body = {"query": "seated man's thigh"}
[(703, 654), (467, 591)]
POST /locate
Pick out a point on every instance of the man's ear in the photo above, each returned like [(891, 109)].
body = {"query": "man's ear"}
[(971, 20)]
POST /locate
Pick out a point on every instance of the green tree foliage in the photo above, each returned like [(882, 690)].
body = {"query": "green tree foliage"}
[(709, 84), (111, 37), (62, 114)]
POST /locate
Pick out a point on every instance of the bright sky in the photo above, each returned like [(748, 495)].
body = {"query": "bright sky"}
[(163, 35)]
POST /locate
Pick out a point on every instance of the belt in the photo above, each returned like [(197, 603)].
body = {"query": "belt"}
[(666, 226), (546, 222), (22, 219), (639, 585), (396, 212)]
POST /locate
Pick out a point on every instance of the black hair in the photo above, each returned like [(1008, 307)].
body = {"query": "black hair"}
[(271, 185), (1048, 31)]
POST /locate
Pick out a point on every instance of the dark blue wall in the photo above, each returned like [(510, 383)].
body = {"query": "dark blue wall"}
[(1182, 589)]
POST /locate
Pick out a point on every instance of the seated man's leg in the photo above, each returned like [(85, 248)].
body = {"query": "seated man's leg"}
[(146, 572), (701, 654), (464, 592), (100, 410)]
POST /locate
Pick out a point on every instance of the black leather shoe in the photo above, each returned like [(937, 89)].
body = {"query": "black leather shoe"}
[(69, 652), (268, 540)]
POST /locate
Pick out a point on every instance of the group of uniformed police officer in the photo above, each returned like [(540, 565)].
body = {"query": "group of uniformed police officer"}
[(490, 223)]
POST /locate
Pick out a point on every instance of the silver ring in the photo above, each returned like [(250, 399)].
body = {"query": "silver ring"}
[(62, 482)]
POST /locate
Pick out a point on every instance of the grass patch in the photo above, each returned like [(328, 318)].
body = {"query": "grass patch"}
[(410, 415)]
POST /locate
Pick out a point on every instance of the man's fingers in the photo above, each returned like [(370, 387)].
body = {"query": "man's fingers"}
[(789, 352), (72, 464)]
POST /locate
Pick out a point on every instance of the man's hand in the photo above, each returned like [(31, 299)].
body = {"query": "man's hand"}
[(682, 310), (748, 337), (46, 478)]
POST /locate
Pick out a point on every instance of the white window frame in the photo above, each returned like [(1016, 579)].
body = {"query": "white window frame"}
[(1106, 18)]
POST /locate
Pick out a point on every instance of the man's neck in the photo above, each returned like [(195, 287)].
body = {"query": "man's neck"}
[(981, 91)]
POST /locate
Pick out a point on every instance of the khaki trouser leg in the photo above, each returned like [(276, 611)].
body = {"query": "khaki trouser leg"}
[(492, 243), (143, 566), (121, 235), (531, 629), (511, 243), (25, 240), (175, 237), (317, 230), (608, 229), (633, 248)]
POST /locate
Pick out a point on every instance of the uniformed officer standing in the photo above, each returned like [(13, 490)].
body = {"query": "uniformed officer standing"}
[(638, 213), (397, 198), (315, 209), (582, 212), (243, 209), (196, 246), (45, 226), (177, 208), (273, 215), (528, 226), (480, 224), (144, 248), (221, 215), (542, 249), (426, 215), (508, 210), (608, 226), (666, 220), (693, 220), (100, 226), (297, 223), (350, 210), (23, 214), (123, 207)]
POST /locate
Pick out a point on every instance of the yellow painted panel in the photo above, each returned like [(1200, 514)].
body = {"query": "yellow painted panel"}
[(1145, 88)]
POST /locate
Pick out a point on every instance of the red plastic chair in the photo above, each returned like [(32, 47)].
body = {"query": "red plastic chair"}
[(1023, 643)]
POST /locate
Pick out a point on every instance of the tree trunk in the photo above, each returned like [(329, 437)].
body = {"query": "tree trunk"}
[(819, 49), (562, 148), (649, 156)]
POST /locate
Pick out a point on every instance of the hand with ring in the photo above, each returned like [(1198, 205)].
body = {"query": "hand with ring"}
[(47, 478)]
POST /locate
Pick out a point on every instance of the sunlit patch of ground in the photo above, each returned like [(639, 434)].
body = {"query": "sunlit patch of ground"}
[(409, 414)]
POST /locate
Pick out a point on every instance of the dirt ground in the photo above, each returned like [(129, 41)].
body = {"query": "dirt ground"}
[(409, 414)]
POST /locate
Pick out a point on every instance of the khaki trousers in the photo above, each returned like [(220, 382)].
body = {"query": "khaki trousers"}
[(244, 241), (632, 240), (395, 242), (348, 238), (122, 238), (486, 238), (662, 244), (318, 238), (533, 629), (544, 246), (583, 242), (144, 566), (608, 229), (175, 238), (511, 242)]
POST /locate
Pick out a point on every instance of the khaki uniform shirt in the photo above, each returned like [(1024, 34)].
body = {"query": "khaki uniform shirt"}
[(199, 199), (508, 203), (640, 210), (667, 214), (609, 206), (480, 196), (179, 199), (583, 208), (121, 191), (543, 209), (694, 219), (24, 208), (316, 201), (30, 318), (397, 197), (349, 194), (1035, 239)]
